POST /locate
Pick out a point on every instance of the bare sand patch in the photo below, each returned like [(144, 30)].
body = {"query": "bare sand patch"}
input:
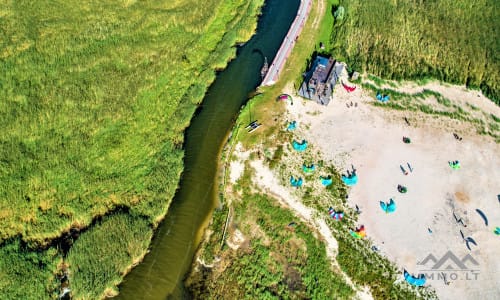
[(237, 166), (370, 138), (265, 179)]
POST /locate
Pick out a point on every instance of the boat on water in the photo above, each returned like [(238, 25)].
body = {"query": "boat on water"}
[(264, 69)]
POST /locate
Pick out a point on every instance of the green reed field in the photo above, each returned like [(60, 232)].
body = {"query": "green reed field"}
[(95, 96), (457, 41)]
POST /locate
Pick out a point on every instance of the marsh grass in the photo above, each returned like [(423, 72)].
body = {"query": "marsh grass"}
[(451, 40), (95, 98)]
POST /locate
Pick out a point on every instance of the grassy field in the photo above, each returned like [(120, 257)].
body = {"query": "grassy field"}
[(452, 40), (95, 98), (276, 264)]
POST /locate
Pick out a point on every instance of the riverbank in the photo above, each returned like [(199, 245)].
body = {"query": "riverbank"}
[(162, 271)]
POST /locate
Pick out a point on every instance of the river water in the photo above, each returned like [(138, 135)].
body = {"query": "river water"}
[(161, 274)]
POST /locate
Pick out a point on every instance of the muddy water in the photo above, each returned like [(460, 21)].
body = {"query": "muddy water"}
[(161, 274)]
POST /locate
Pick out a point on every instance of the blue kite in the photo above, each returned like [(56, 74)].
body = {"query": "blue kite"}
[(326, 181), (302, 146), (292, 126), (382, 98), (295, 182), (389, 207), (350, 180), (417, 281)]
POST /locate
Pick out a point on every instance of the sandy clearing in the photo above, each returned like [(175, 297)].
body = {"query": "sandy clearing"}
[(268, 181), (237, 166), (371, 139), (265, 179)]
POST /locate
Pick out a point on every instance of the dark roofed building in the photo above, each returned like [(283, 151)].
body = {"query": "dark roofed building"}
[(320, 79)]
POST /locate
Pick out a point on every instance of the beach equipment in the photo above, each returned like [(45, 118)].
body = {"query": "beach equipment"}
[(292, 126), (348, 88), (284, 97), (468, 240), (403, 170), (454, 164), (497, 231), (413, 280), (336, 215), (295, 182), (402, 189), (308, 169), (350, 180), (359, 233), (300, 146), (482, 216), (326, 181), (388, 207), (382, 98)]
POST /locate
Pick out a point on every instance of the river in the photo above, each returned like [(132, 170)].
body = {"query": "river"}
[(161, 274)]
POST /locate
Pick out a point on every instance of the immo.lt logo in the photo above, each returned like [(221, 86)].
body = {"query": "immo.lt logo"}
[(449, 267)]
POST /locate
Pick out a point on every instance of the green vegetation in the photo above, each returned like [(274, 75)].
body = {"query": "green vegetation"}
[(433, 103), (99, 257), (452, 40), (96, 96), (26, 274), (278, 262)]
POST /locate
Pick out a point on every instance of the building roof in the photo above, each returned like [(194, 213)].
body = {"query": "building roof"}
[(320, 79)]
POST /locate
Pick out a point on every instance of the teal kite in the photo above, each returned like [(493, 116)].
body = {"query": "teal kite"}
[(350, 180), (326, 181), (295, 182), (302, 146), (389, 207), (417, 281), (308, 169)]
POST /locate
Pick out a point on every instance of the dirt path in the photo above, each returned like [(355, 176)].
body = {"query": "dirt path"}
[(320, 11), (265, 179)]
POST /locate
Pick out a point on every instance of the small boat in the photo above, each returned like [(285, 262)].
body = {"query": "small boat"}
[(251, 124), (254, 127)]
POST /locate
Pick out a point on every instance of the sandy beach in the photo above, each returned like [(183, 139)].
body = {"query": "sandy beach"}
[(370, 138)]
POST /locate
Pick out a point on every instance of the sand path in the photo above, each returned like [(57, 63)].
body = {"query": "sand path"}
[(265, 179)]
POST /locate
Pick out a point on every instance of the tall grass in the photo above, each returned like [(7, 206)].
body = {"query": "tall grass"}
[(452, 40), (95, 98), (280, 264), (99, 257), (27, 274)]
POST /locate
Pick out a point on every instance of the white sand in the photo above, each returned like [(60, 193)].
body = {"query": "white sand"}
[(265, 179), (371, 139), (237, 166)]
